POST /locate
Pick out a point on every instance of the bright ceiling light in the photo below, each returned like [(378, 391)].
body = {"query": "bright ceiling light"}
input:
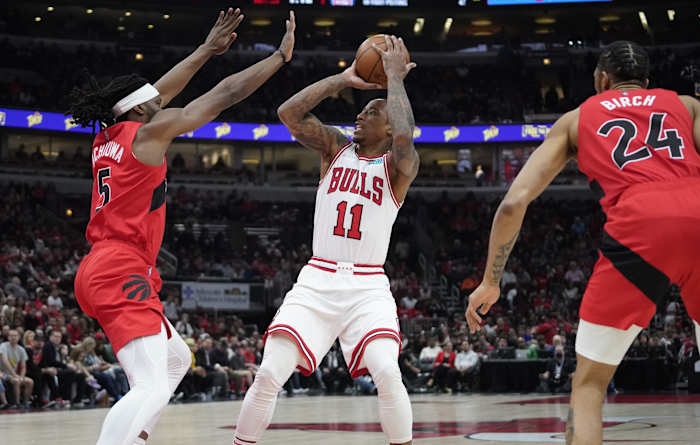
[(545, 20), (138, 56), (546, 61), (89, 11), (543, 31), (37, 19), (643, 20), (50, 9), (127, 13), (324, 22), (120, 28), (261, 22), (483, 33), (387, 23), (166, 16), (671, 14), (418, 26), (448, 24), (482, 22), (609, 18)]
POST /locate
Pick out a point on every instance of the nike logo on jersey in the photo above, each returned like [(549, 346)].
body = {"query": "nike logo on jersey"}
[(352, 180), (624, 102), (111, 150)]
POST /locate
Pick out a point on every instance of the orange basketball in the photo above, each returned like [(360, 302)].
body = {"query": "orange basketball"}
[(368, 61)]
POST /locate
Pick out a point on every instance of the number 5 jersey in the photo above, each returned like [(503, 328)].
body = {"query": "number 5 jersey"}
[(128, 196)]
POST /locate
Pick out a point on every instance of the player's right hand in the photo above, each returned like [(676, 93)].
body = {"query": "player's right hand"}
[(394, 57), (353, 80), (287, 45), (480, 301)]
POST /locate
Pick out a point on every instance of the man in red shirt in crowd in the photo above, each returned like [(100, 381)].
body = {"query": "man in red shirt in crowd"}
[(75, 332)]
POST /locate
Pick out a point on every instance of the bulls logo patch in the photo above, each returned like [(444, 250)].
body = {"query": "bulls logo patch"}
[(137, 286)]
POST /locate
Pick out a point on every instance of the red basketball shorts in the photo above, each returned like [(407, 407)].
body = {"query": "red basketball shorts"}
[(116, 286), (651, 240)]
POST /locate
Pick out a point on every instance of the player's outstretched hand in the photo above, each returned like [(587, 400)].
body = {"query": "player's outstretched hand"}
[(355, 81), (287, 45), (480, 301), (222, 33), (394, 57)]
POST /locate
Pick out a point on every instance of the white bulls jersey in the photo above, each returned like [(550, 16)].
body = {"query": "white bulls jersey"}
[(355, 209)]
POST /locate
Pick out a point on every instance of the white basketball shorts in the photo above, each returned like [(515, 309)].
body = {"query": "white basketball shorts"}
[(332, 300)]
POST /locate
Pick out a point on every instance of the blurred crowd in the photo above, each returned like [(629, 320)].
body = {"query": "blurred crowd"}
[(501, 91), (52, 355)]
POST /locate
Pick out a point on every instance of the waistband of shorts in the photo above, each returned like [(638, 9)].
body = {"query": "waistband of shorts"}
[(670, 184), (113, 243), (345, 268)]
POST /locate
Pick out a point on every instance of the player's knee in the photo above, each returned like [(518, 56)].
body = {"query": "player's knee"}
[(268, 379), (388, 378)]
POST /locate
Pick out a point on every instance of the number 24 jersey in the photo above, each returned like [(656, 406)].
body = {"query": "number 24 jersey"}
[(632, 137)]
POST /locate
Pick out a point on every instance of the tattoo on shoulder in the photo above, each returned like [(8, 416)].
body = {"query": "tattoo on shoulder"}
[(499, 263)]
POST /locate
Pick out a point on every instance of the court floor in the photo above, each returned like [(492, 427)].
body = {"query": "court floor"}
[(443, 419)]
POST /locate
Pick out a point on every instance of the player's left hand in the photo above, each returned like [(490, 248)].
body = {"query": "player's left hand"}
[(394, 57), (480, 301), (222, 34)]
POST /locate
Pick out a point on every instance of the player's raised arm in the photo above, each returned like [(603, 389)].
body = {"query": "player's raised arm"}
[(403, 159), (153, 139), (295, 113), (539, 171), (217, 42)]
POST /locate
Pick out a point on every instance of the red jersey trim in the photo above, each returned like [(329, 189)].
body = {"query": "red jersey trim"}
[(325, 269), (335, 158), (359, 350), (326, 261), (296, 338), (388, 179)]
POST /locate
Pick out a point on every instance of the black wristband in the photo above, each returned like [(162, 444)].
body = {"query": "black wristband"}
[(284, 59)]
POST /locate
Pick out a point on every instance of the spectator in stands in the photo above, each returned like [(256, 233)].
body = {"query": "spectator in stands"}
[(75, 331), (3, 397), (241, 375), (334, 371), (428, 354), (216, 377), (443, 364), (183, 326), (32, 345), (408, 363), (557, 377), (102, 371), (503, 351), (13, 369), (574, 274), (171, 309), (466, 369), (479, 175), (37, 156), (55, 364), (54, 301)]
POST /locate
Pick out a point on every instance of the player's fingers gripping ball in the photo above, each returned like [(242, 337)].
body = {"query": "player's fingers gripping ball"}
[(368, 61)]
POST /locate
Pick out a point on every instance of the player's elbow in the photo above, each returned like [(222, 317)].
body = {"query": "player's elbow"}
[(285, 114), (402, 141)]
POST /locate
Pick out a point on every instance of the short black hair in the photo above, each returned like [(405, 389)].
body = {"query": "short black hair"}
[(625, 61), (93, 104)]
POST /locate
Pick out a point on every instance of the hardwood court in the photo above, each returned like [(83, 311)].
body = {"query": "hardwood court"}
[(444, 419)]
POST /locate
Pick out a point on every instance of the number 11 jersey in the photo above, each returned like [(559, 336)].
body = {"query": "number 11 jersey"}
[(128, 196), (632, 137), (355, 209)]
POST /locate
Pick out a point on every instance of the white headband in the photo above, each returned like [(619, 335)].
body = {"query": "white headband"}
[(143, 94)]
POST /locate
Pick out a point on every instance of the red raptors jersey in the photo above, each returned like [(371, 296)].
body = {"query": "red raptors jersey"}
[(632, 137), (128, 196)]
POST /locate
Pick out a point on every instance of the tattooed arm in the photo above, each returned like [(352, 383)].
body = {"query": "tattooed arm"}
[(403, 160), (539, 171), (295, 113)]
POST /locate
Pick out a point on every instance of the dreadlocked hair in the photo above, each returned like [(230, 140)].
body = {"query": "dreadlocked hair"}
[(625, 61), (93, 103)]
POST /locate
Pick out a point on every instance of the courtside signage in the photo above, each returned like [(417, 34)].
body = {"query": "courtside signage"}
[(433, 134)]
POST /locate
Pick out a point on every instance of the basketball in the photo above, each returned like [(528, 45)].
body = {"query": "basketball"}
[(368, 61)]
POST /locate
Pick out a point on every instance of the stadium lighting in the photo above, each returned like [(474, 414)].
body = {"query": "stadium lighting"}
[(120, 28), (483, 33), (541, 31), (448, 24), (342, 63), (150, 26), (418, 26), (127, 13), (89, 11), (643, 20), (50, 9), (69, 212), (324, 22), (545, 20), (37, 19), (610, 18), (481, 22), (138, 56), (671, 14), (166, 16), (546, 61), (387, 23), (260, 22)]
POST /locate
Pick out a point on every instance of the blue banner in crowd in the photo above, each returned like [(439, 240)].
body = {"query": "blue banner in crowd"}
[(434, 134)]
